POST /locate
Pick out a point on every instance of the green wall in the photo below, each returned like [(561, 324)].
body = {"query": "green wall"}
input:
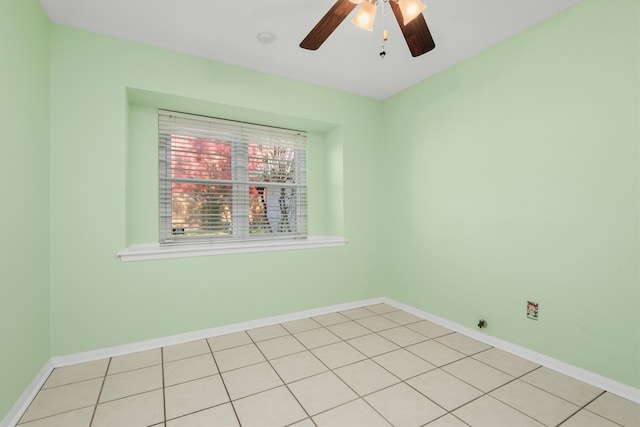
[(102, 93), (517, 169), (24, 178), (520, 176)]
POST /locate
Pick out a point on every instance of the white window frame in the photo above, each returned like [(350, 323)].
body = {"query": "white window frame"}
[(239, 137)]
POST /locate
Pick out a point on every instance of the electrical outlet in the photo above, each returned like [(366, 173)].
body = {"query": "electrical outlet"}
[(532, 310)]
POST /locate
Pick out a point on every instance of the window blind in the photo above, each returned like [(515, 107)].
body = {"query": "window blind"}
[(222, 180)]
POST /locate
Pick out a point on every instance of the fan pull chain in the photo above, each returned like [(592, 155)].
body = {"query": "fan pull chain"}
[(385, 33)]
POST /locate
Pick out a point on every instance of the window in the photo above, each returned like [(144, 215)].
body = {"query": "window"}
[(222, 181)]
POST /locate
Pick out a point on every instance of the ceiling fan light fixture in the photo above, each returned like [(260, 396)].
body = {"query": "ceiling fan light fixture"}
[(365, 15), (410, 9)]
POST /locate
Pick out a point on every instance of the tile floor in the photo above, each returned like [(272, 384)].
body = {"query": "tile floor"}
[(370, 366)]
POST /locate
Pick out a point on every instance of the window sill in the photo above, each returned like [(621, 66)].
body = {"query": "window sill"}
[(151, 251)]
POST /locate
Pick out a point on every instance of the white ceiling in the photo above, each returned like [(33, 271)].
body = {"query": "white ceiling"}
[(226, 30)]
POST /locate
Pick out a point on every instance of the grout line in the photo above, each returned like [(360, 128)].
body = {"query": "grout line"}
[(555, 395), (28, 423), (442, 416), (224, 384), (127, 396), (280, 377), (104, 379), (495, 367), (164, 395), (488, 393), (133, 370), (584, 408)]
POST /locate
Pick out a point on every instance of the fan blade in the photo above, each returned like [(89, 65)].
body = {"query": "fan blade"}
[(329, 22), (416, 32)]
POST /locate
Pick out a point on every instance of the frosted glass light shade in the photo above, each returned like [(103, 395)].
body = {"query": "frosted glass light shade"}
[(365, 16), (410, 9)]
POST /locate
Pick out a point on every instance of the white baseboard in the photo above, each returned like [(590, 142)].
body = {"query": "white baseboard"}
[(89, 356), (580, 374), (19, 408), (596, 380)]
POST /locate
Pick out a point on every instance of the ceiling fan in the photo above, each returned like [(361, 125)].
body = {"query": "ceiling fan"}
[(414, 27)]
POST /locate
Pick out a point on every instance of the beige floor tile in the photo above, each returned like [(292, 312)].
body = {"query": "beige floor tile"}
[(447, 421), (140, 359), (352, 414), (304, 423), (219, 416), (489, 412), (316, 338), (429, 329), (585, 418), (538, 404), (409, 374), (192, 396), (223, 342), (377, 323), (617, 409), (301, 325), (463, 343), (61, 399), (321, 392), (479, 375), (338, 354), (77, 418), (366, 377), (402, 317), (267, 332), (357, 313), (435, 353), (182, 351), (402, 336), (129, 383), (330, 319), (403, 364), (506, 362), (403, 406), (372, 345), (140, 410), (298, 366), (192, 368), (276, 407), (76, 373), (281, 346), (250, 380), (444, 389), (562, 386), (381, 308), (238, 357), (348, 330)]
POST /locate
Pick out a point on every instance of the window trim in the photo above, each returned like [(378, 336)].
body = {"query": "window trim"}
[(154, 251)]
